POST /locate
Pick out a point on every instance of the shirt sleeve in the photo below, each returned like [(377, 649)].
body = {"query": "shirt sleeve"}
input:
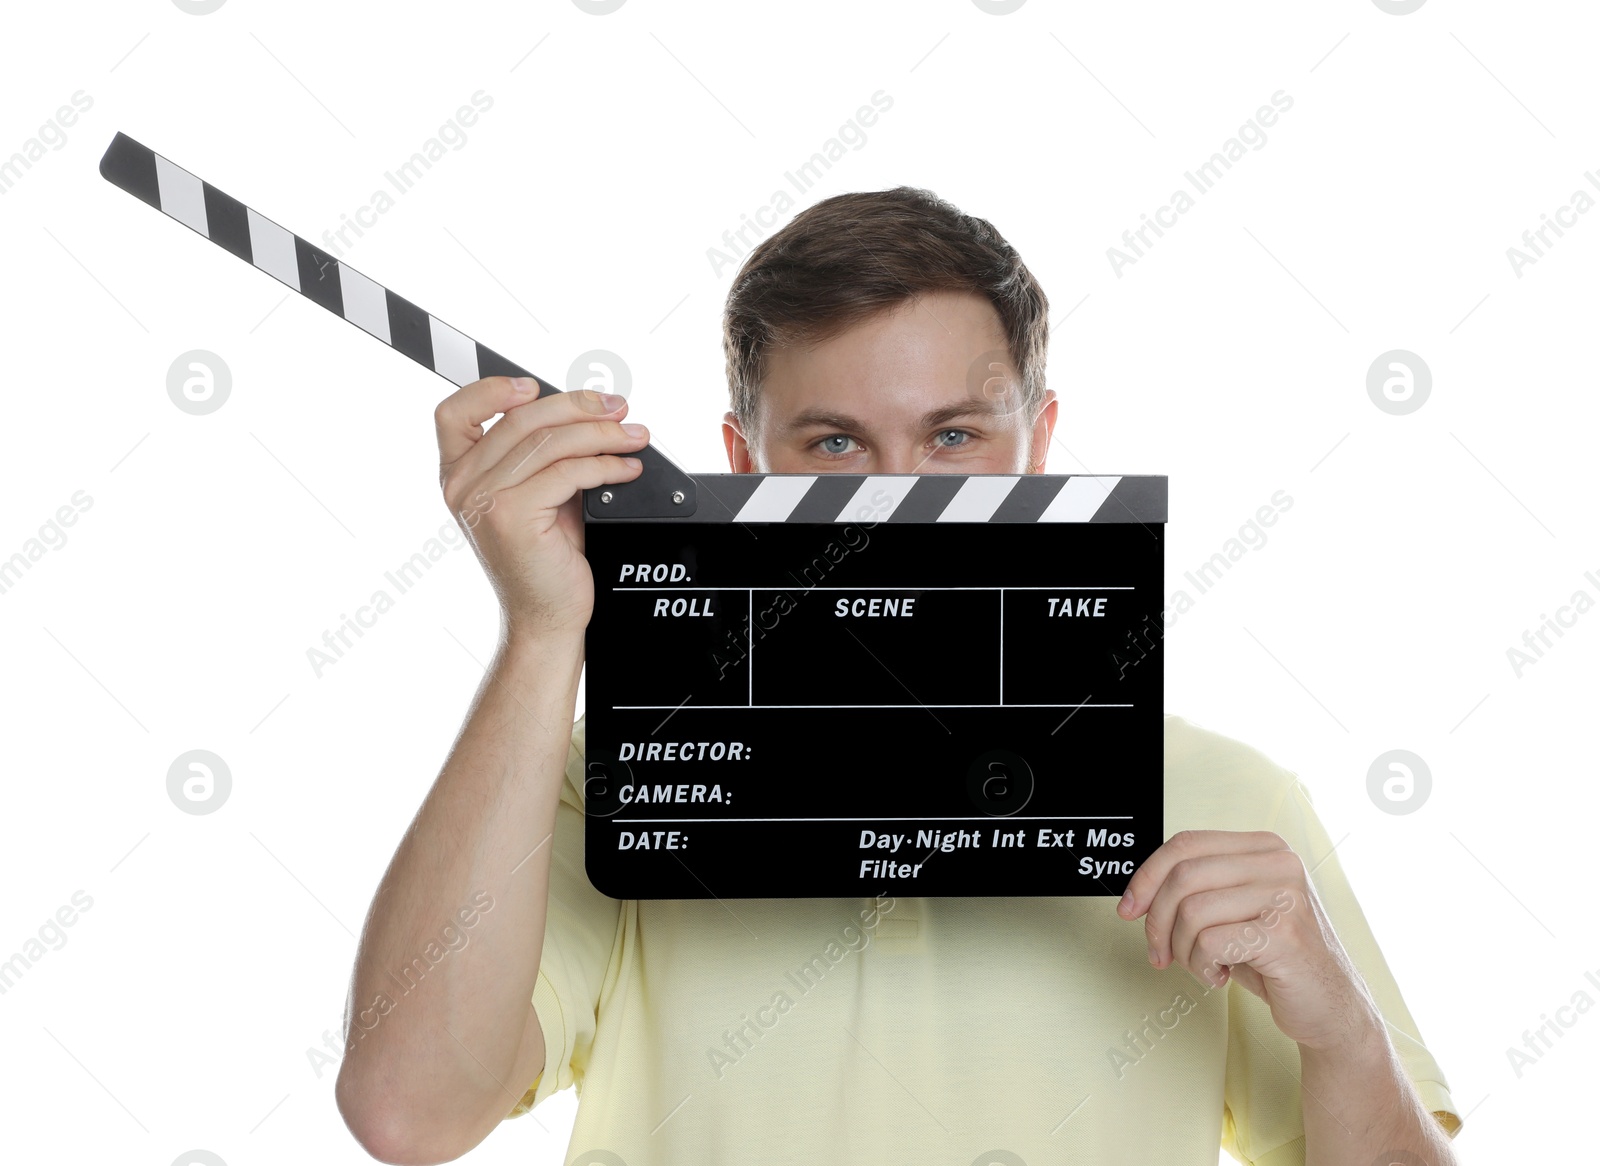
[(1262, 1119), (580, 934)]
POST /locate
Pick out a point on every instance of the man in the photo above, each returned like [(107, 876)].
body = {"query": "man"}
[(959, 1030)]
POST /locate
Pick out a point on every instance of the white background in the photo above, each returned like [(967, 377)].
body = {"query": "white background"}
[(1233, 357)]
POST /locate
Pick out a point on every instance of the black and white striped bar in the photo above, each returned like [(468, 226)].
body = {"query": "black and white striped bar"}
[(660, 489), (841, 498), (302, 267), (663, 492)]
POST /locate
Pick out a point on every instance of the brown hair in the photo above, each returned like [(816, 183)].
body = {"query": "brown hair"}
[(853, 255)]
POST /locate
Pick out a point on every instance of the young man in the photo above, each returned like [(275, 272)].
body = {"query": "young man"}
[(1236, 996)]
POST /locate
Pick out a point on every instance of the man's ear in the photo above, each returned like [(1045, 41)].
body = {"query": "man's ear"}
[(733, 439), (1044, 424)]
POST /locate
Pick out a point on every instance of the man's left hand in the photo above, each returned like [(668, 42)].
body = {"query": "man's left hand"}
[(1240, 905)]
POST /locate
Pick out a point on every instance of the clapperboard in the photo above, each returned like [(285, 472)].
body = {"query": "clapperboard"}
[(826, 685)]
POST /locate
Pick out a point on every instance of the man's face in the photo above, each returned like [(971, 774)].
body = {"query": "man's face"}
[(903, 392)]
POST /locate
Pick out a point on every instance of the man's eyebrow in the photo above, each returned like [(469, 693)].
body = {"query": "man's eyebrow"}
[(956, 411), (825, 418), (819, 418)]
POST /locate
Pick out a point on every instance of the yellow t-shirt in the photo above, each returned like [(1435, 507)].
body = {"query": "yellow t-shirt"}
[(918, 1030)]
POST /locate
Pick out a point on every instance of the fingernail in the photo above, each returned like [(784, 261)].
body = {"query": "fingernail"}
[(524, 384), (1151, 955), (1127, 902), (633, 430), (612, 401)]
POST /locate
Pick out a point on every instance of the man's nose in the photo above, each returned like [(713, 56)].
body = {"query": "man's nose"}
[(904, 461)]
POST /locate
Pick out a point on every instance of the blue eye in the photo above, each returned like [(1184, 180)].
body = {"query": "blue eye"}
[(827, 447), (961, 433)]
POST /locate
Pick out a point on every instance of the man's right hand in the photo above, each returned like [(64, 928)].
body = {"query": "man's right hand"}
[(514, 489), (447, 1065)]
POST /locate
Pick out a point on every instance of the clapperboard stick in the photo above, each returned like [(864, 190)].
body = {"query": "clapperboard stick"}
[(660, 490)]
